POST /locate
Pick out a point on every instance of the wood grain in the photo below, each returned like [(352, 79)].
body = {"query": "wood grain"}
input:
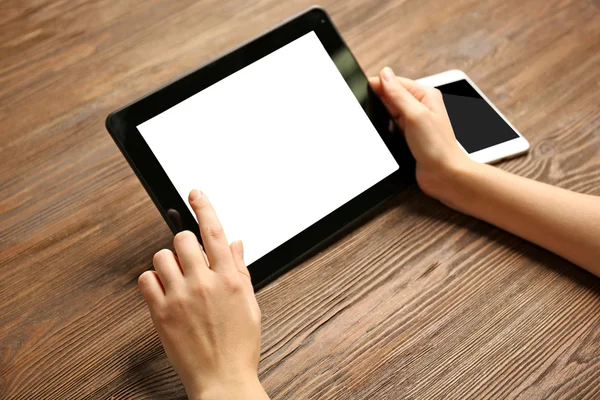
[(420, 302)]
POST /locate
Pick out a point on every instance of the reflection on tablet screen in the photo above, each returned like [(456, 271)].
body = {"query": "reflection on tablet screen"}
[(276, 146)]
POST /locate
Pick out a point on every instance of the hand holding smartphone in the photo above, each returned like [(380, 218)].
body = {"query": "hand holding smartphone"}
[(480, 128)]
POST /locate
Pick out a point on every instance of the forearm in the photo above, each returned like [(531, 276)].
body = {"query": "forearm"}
[(564, 222)]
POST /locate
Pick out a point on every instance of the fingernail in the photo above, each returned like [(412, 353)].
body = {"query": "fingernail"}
[(194, 194), (388, 74)]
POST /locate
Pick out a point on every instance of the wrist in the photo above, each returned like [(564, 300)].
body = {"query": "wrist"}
[(450, 184), (240, 388)]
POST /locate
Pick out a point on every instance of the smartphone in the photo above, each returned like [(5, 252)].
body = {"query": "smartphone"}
[(480, 128)]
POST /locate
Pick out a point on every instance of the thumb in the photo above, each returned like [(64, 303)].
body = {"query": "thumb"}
[(399, 101)]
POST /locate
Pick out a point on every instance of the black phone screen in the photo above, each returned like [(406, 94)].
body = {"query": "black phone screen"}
[(476, 124)]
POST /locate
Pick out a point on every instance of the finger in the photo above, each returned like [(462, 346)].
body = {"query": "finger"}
[(375, 84), (430, 96), (191, 257), (400, 101), (205, 257), (237, 252), (213, 235), (151, 288), (418, 90), (168, 270)]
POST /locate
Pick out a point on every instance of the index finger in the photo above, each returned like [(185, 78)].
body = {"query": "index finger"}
[(375, 84), (213, 235), (418, 90)]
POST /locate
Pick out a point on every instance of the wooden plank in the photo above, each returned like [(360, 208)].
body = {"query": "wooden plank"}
[(418, 302)]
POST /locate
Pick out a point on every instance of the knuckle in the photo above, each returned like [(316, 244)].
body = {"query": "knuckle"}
[(178, 303), (161, 256), (415, 116), (206, 288), (143, 279), (244, 271), (203, 291), (182, 237), (421, 113), (200, 202), (212, 231), (161, 315), (198, 286), (232, 282)]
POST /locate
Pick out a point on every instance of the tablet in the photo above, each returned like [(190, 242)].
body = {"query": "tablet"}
[(283, 134)]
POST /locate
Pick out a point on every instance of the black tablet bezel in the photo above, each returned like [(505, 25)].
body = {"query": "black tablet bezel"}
[(122, 124)]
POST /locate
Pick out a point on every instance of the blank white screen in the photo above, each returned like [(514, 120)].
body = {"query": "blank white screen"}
[(276, 146)]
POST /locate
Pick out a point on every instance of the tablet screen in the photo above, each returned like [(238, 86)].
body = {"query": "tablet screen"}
[(276, 146)]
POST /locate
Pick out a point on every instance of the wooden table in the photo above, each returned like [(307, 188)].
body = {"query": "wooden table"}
[(420, 302)]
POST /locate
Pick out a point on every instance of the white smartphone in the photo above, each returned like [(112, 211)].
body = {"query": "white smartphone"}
[(480, 128)]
